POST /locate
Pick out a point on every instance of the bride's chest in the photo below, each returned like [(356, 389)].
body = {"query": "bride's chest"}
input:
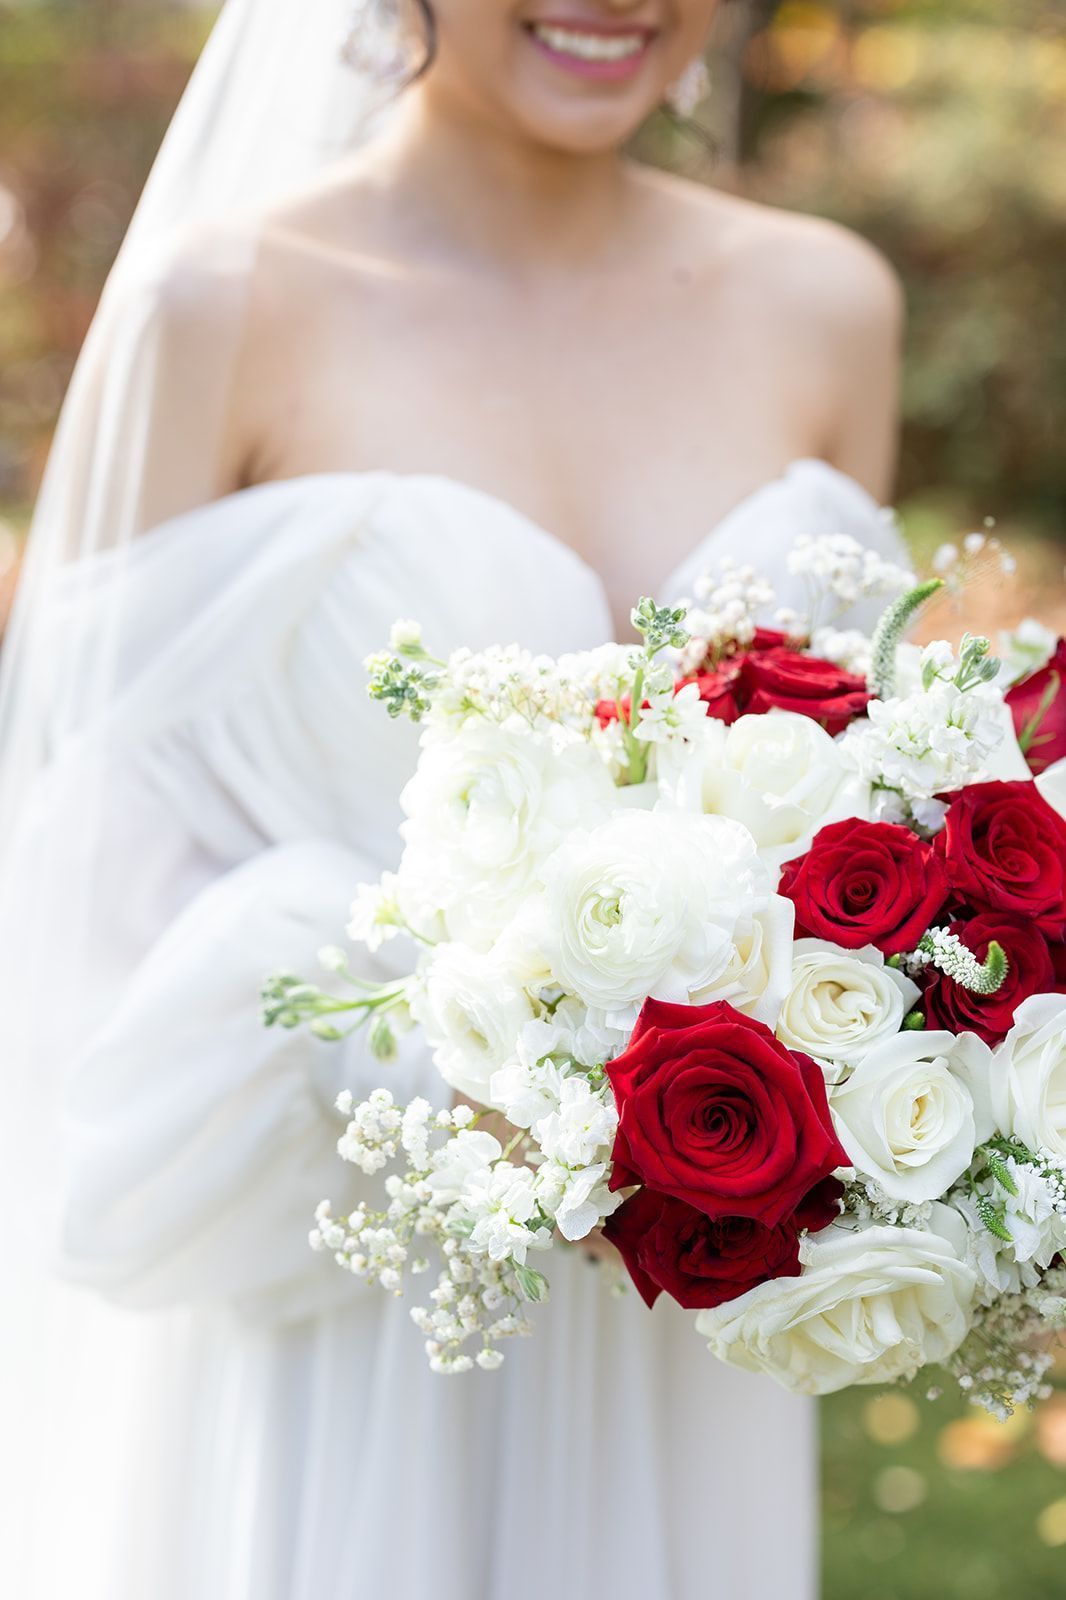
[(627, 435)]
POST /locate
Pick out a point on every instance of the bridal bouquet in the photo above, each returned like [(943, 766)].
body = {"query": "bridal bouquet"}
[(747, 947)]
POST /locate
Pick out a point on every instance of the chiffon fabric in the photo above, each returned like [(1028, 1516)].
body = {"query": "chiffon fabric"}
[(243, 1420)]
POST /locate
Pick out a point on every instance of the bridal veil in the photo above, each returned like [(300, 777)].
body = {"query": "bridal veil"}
[(270, 103)]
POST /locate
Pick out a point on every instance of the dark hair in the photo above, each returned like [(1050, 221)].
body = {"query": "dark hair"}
[(429, 26)]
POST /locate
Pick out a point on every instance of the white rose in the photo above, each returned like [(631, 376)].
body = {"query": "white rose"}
[(872, 1305), (1029, 1075), (648, 904), (484, 808), (779, 774), (913, 1110), (841, 1003), (1052, 785), (756, 978), (473, 1008)]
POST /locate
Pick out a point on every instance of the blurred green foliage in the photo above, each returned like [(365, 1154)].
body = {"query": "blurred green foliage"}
[(86, 91), (935, 1501), (937, 128)]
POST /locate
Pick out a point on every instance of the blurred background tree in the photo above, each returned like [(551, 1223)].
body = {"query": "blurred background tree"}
[(937, 128)]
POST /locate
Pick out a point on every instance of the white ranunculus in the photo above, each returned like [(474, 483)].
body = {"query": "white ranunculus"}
[(872, 1304), (841, 1003), (1029, 1075), (779, 774), (913, 1110), (757, 976), (473, 1008), (484, 808), (1052, 785), (648, 904)]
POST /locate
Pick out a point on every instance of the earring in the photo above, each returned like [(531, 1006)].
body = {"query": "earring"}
[(688, 92), (376, 42)]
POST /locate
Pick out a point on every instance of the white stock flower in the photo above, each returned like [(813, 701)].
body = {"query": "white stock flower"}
[(473, 1007), (672, 716), (375, 913), (841, 1003), (1033, 1218), (913, 1111), (405, 634), (469, 1155), (756, 979), (935, 740), (577, 1200), (780, 774), (1029, 1075), (484, 808), (526, 1090), (582, 1124), (646, 904), (872, 1305), (501, 1201)]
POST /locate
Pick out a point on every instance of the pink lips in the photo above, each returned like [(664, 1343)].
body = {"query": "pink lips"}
[(603, 71)]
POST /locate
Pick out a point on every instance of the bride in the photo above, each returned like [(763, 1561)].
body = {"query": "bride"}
[(396, 332)]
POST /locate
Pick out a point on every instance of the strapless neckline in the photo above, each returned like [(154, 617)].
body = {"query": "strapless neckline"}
[(185, 555), (688, 566)]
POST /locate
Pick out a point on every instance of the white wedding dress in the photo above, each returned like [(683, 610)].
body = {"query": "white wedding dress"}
[(274, 1432)]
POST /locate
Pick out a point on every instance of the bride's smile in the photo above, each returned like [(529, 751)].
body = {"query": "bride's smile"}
[(575, 75), (598, 51)]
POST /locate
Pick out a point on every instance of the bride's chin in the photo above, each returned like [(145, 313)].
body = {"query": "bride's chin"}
[(580, 124)]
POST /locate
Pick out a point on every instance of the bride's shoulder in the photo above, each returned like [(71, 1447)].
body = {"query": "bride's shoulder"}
[(810, 265), (205, 278)]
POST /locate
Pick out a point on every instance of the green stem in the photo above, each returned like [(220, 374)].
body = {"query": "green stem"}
[(635, 750)]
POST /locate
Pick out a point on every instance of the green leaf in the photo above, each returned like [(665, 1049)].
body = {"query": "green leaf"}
[(1028, 734)]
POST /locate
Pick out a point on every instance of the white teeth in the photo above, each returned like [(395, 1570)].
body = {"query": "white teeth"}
[(590, 46)]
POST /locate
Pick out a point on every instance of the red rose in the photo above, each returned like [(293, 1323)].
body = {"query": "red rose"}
[(866, 883), (1038, 706), (789, 681), (719, 689), (1031, 970), (1004, 849), (715, 1111), (701, 1261)]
